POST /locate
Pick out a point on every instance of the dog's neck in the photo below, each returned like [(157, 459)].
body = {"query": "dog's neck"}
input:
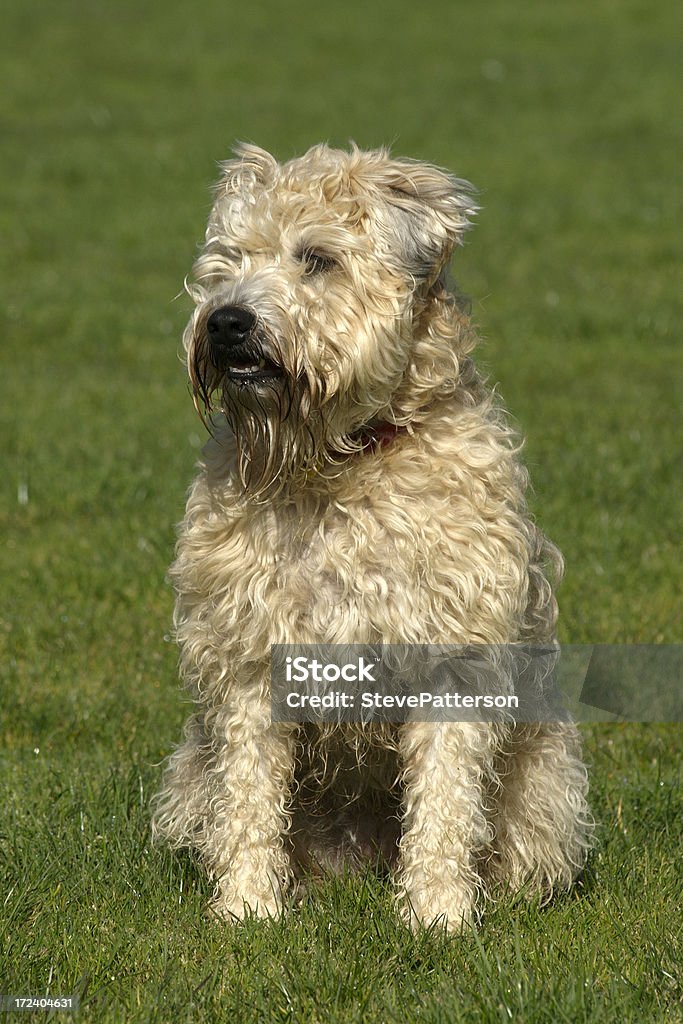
[(377, 434), (370, 438)]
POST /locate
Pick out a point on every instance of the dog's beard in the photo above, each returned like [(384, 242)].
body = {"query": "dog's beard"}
[(277, 422), (276, 433)]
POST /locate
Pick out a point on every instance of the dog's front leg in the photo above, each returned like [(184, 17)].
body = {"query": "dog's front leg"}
[(248, 819), (445, 825)]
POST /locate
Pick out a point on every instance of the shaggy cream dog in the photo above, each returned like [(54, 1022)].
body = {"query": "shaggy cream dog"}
[(360, 486)]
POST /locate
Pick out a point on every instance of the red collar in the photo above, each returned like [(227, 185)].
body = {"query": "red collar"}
[(378, 435), (372, 437)]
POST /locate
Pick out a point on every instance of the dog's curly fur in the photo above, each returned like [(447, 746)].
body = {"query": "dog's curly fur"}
[(302, 527)]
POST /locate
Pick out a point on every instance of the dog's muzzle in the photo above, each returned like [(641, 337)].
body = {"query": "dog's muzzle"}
[(235, 347)]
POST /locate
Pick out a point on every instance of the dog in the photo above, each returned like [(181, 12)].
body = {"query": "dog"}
[(361, 485)]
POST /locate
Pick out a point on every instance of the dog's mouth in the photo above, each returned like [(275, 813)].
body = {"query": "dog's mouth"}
[(247, 365)]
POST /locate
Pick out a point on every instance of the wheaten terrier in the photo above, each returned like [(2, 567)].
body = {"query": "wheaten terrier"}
[(361, 486)]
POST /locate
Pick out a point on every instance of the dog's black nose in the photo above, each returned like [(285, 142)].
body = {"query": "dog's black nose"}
[(230, 325)]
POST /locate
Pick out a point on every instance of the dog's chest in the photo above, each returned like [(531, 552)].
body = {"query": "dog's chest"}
[(335, 573), (306, 570), (379, 559)]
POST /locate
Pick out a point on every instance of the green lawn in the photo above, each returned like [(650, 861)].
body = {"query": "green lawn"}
[(112, 116)]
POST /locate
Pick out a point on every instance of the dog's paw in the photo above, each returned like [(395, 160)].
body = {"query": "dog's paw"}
[(450, 910), (232, 908)]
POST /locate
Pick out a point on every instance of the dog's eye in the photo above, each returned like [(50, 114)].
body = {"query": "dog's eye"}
[(316, 262)]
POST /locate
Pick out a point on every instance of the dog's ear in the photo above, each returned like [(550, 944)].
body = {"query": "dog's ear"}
[(251, 166), (433, 211)]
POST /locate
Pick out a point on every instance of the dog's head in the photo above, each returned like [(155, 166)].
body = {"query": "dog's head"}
[(315, 291)]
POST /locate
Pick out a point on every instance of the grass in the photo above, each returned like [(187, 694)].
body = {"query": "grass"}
[(112, 119), (94, 910)]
